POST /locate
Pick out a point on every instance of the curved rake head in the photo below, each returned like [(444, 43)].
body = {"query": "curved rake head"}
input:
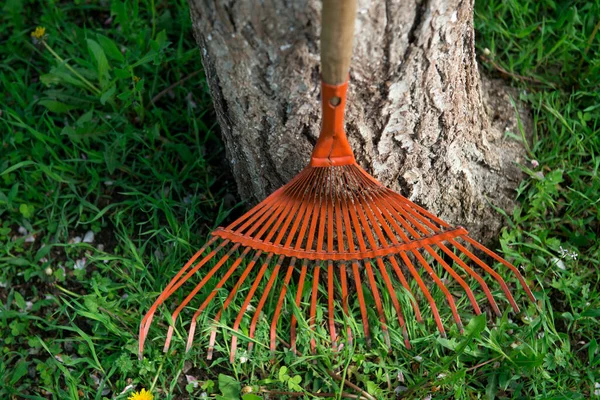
[(335, 217)]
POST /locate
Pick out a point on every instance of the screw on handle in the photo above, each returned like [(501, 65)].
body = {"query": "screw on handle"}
[(337, 34)]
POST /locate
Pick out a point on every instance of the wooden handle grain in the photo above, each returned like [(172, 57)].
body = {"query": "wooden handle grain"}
[(337, 34)]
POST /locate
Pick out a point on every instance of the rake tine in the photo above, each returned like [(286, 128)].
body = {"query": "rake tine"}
[(374, 223), (453, 273), (249, 296), (413, 206), (286, 281), (478, 261), (147, 320), (262, 301), (193, 293), (338, 211), (212, 294), (344, 284), (330, 274), (311, 217), (458, 278), (503, 261), (298, 299), (413, 271), (281, 210), (351, 247), (213, 332), (313, 306), (475, 275), (402, 278), (330, 298), (443, 287), (489, 269), (361, 302), (362, 247), (378, 304), (264, 206), (395, 266), (173, 286), (395, 302), (429, 270)]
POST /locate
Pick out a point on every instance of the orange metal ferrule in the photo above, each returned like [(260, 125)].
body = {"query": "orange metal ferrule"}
[(332, 148)]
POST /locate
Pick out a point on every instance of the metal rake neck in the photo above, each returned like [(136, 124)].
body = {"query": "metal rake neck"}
[(332, 148)]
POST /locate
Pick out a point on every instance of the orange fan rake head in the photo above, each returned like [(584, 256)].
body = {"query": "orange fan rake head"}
[(336, 217)]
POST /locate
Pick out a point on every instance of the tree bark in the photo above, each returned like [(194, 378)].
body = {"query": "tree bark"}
[(416, 116)]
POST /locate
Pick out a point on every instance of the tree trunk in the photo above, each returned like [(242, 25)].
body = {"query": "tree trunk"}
[(416, 115)]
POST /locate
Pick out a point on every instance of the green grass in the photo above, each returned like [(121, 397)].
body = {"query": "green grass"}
[(84, 147)]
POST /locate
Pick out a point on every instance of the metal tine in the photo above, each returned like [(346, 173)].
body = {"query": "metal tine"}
[(341, 249), (483, 265), (344, 284), (309, 244), (313, 307), (330, 304), (404, 282), (241, 280), (400, 274), (469, 270), (362, 247), (382, 222), (299, 216), (244, 307), (474, 274), (351, 247), (212, 294), (278, 215), (455, 275), (489, 269), (365, 224), (289, 216), (282, 210), (415, 274), (383, 194), (375, 223), (290, 237), (311, 216), (503, 261), (190, 296), (443, 287), (280, 203), (361, 301), (273, 198), (430, 271), (263, 300), (445, 265), (173, 285), (333, 183), (413, 206), (286, 281), (323, 206), (298, 299)]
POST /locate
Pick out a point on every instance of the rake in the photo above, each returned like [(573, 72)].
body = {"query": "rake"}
[(333, 216)]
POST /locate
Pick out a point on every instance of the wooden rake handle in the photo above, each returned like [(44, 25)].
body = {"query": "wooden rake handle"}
[(337, 34)]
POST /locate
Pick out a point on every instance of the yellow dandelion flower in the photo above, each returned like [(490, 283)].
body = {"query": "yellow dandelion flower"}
[(141, 395), (39, 32)]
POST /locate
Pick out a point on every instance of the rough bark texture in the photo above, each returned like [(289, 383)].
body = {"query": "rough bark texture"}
[(418, 117)]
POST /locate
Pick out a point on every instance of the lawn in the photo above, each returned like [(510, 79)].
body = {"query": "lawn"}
[(112, 174)]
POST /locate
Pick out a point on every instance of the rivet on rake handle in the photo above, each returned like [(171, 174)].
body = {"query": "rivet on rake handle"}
[(333, 216)]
